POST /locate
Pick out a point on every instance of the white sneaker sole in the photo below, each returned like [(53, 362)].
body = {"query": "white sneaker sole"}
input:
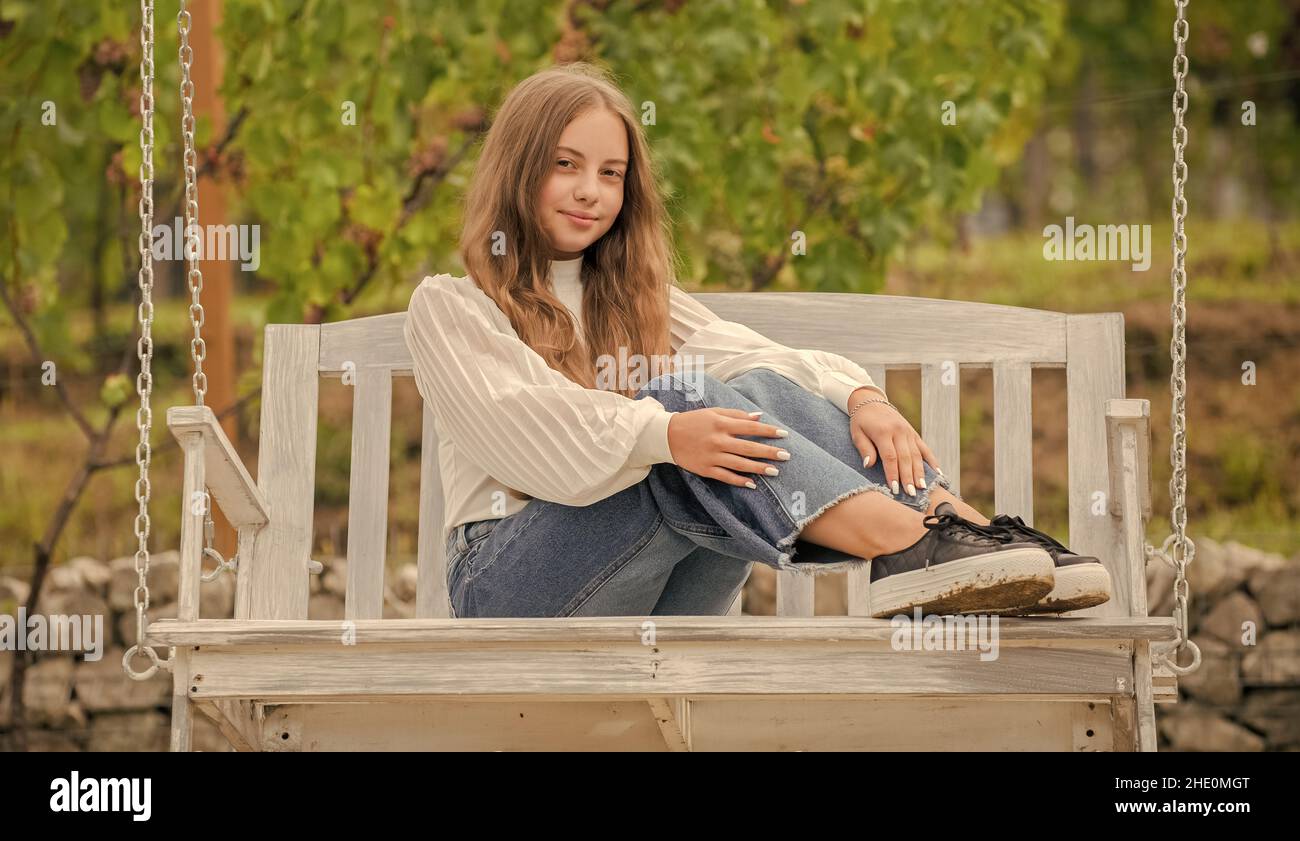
[(1004, 578), (1077, 586)]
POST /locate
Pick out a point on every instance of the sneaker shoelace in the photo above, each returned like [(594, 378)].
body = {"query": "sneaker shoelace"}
[(987, 535), (1021, 529)]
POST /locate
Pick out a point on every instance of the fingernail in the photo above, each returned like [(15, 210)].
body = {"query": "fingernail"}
[(755, 414), (750, 485), (772, 471), (783, 455), (894, 486), (911, 489), (866, 462), (781, 433), (922, 482)]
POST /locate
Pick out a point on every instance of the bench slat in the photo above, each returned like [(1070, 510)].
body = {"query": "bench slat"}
[(372, 408), (613, 629), (431, 584), (286, 471), (858, 581), (1013, 440), (339, 672), (941, 416), (1094, 375)]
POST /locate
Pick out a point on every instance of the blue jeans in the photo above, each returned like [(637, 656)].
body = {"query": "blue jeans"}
[(675, 543)]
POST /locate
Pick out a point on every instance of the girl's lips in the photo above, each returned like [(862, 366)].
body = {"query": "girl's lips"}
[(578, 220)]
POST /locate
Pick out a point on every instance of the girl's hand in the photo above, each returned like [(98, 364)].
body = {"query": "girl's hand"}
[(880, 430), (705, 442)]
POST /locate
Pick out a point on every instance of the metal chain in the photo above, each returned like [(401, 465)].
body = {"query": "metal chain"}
[(1178, 549), (144, 349), (210, 552), (193, 236), (193, 247)]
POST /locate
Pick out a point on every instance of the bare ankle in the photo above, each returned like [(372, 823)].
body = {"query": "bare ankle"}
[(866, 525), (889, 527), (940, 495)]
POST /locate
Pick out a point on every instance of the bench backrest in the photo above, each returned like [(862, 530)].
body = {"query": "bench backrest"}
[(880, 332)]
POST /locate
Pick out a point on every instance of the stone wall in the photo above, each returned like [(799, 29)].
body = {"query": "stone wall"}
[(74, 704), (1245, 696), (1245, 618)]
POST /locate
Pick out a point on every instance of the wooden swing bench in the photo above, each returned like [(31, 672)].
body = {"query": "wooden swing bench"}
[(273, 680)]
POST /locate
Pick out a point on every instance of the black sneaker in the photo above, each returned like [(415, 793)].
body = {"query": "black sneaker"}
[(1081, 580), (959, 567)]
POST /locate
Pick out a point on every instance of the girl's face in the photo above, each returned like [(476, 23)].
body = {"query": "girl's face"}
[(584, 192)]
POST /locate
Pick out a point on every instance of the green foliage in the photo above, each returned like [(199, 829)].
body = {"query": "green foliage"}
[(775, 117), (1107, 111), (771, 117), (117, 389)]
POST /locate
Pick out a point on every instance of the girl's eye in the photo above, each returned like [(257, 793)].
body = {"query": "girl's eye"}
[(613, 172)]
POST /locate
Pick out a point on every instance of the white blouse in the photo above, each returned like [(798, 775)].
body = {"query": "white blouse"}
[(506, 419)]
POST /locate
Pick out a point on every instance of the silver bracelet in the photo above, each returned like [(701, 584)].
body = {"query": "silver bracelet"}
[(862, 403)]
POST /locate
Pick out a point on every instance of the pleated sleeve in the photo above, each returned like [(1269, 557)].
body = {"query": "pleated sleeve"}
[(526, 424)]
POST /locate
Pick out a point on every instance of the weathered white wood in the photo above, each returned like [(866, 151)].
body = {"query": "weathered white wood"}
[(1095, 374), (431, 599), (337, 672), (1144, 702), (1013, 439), (286, 470), (1164, 683), (372, 408), (227, 479), (899, 724), (1092, 726), (858, 580), (182, 723), (239, 721), (876, 723), (1124, 725), (592, 629), (374, 341), (880, 329), (795, 594), (681, 707), (1127, 436), (461, 725), (1119, 415), (941, 416), (246, 552), (194, 506), (673, 717)]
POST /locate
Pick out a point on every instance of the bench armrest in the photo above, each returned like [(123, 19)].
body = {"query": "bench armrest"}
[(224, 472), (1128, 444), (1121, 415)]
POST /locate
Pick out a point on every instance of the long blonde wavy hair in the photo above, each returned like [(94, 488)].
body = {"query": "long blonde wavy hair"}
[(625, 273)]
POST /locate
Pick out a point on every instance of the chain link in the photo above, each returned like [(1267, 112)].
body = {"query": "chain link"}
[(209, 551), (1179, 550), (193, 236), (193, 249), (144, 350)]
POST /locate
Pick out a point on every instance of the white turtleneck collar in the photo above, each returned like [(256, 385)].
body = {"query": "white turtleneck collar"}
[(566, 280), (566, 272)]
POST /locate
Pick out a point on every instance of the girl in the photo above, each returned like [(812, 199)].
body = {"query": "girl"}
[(574, 489)]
